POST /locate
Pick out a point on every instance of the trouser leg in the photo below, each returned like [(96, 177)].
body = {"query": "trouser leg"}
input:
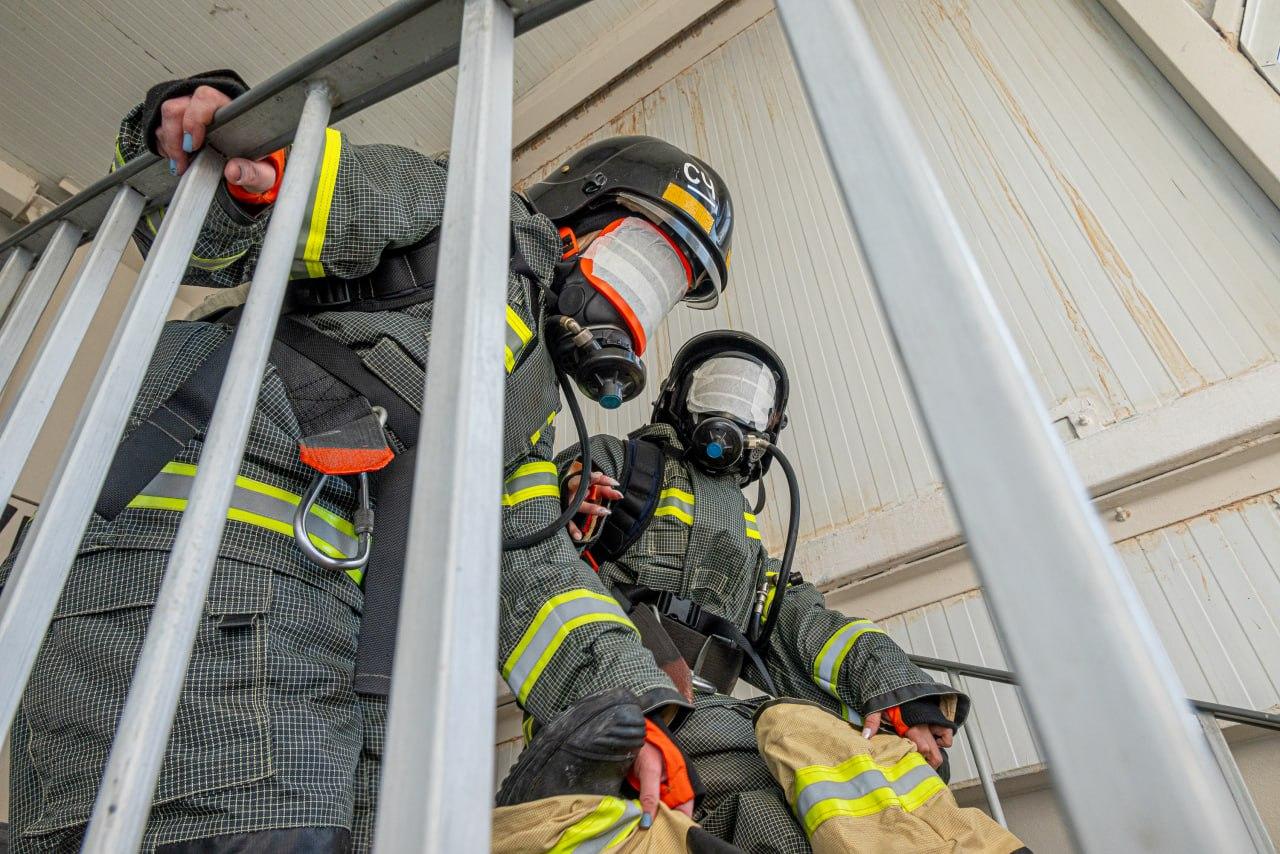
[(594, 822), (368, 773), (742, 803), (877, 795)]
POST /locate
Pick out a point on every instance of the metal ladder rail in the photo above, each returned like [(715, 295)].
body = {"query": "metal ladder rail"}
[(27, 603), (1207, 714), (1065, 607)]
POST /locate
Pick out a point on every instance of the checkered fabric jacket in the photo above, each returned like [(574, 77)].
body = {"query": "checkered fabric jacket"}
[(703, 544), (237, 724)]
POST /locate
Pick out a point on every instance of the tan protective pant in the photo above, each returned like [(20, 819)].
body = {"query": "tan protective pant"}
[(586, 824), (851, 794)]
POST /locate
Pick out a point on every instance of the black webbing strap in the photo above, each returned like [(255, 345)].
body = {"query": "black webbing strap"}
[(640, 485), (403, 277), (166, 431), (707, 641)]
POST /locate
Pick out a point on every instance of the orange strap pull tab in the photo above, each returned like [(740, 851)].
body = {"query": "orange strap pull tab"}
[(677, 788), (360, 446)]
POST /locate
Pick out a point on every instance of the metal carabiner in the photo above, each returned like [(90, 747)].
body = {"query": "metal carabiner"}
[(363, 521), (363, 526)]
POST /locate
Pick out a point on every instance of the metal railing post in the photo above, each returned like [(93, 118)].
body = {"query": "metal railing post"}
[(31, 302), (29, 597), (124, 799), (14, 271), (1066, 609), (978, 749), (1235, 783), (437, 783), (21, 425)]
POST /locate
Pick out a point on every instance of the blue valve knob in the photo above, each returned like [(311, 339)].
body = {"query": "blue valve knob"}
[(611, 394), (715, 450)]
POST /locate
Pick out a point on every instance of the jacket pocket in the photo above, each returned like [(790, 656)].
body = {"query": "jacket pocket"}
[(77, 691)]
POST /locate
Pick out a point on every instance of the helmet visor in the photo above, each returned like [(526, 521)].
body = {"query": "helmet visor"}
[(739, 388), (640, 271)]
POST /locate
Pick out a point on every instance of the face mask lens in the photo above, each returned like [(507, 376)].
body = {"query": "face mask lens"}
[(739, 388), (642, 267)]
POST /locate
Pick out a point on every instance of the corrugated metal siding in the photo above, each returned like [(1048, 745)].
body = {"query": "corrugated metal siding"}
[(1132, 257), (71, 68), (1212, 587)]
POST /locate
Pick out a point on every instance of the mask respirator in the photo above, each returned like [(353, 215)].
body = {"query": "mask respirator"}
[(608, 301), (730, 398)]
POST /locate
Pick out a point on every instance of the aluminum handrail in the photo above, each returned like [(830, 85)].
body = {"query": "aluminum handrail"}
[(1207, 713)]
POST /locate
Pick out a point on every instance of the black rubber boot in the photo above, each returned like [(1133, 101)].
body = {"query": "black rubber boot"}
[(586, 751)]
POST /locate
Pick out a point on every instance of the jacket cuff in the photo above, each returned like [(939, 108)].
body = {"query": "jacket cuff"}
[(224, 80), (953, 704), (665, 704)]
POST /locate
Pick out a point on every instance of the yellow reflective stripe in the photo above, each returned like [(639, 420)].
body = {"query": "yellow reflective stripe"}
[(526, 727), (519, 335), (532, 480), (179, 505), (672, 492), (860, 786), (267, 489), (753, 529), (536, 647), (826, 666), (611, 822), (537, 434), (119, 161), (675, 502), (213, 265), (324, 199)]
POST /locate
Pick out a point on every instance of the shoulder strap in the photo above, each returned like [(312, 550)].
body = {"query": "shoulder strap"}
[(403, 277), (640, 484)]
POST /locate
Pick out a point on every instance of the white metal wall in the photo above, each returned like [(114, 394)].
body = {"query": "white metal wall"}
[(1133, 258), (1212, 587)]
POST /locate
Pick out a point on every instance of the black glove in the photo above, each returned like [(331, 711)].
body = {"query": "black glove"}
[(224, 80)]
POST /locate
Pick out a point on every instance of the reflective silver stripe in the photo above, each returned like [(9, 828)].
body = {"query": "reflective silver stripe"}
[(600, 831), (531, 480), (861, 786), (827, 666), (677, 503), (177, 487), (518, 335), (559, 616)]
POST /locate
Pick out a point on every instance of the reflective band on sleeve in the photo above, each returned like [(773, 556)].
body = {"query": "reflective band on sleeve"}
[(537, 434), (552, 624), (768, 597), (254, 503), (753, 529), (607, 826), (518, 335), (860, 787), (826, 667), (677, 503), (531, 480), (311, 238)]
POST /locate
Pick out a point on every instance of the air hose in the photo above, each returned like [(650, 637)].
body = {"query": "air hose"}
[(768, 621), (584, 482)]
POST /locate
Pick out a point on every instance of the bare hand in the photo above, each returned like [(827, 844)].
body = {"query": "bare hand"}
[(871, 725), (606, 487), (651, 769), (929, 739), (183, 124)]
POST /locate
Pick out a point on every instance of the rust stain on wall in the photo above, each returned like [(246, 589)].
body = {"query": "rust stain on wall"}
[(1135, 300)]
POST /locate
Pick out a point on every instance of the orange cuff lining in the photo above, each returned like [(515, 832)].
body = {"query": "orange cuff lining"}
[(893, 715), (677, 788), (276, 159)]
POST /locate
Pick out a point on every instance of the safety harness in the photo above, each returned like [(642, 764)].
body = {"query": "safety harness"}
[(713, 647), (328, 386)]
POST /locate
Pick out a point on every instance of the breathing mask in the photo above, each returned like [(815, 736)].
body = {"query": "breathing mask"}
[(729, 397), (609, 298)]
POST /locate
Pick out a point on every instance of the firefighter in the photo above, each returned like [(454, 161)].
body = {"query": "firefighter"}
[(278, 737), (843, 758)]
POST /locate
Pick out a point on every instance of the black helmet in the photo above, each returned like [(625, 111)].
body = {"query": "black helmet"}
[(708, 429), (668, 186)]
